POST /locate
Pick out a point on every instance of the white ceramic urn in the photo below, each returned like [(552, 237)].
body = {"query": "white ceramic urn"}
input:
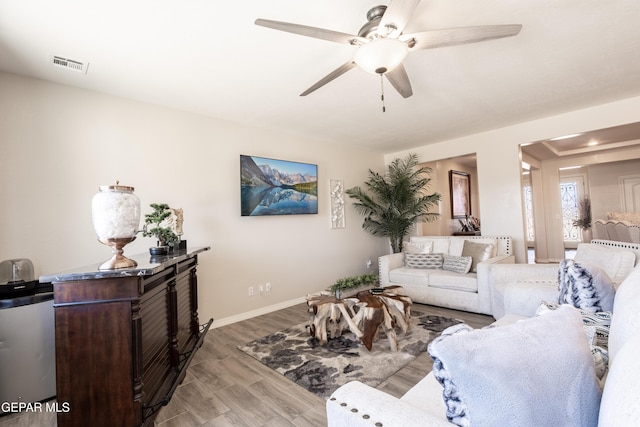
[(115, 210)]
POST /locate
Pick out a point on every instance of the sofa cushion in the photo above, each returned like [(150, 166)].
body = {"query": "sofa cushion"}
[(410, 276), (523, 297), (440, 245), (430, 261), (585, 287), (457, 244), (449, 280), (478, 252), (434, 278), (617, 263), (457, 264), (417, 247), (500, 376)]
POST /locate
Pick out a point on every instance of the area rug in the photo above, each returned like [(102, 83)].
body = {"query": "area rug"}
[(321, 369)]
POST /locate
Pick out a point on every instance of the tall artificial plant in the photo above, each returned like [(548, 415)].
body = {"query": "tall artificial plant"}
[(392, 203)]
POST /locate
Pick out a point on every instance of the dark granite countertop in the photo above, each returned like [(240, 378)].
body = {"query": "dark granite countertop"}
[(147, 266)]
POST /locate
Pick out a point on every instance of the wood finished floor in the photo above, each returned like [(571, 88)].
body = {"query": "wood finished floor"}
[(225, 387)]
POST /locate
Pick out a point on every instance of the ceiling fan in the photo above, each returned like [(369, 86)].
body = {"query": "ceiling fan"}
[(381, 45)]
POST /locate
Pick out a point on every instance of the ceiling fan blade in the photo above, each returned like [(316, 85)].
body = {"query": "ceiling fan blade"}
[(456, 36), (329, 77), (400, 81), (396, 17), (318, 33)]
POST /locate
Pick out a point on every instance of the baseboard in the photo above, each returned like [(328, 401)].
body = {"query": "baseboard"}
[(258, 312)]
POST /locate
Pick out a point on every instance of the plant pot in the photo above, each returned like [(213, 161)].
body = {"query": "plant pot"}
[(159, 250)]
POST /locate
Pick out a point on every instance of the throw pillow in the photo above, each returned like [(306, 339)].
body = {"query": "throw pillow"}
[(601, 362), (477, 251), (417, 247), (596, 328), (457, 264), (430, 261), (529, 373), (457, 244), (440, 244), (586, 287), (596, 324)]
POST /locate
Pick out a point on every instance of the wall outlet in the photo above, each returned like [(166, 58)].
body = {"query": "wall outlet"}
[(267, 287), (250, 291), (261, 288)]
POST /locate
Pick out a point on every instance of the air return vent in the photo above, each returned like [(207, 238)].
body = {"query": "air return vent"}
[(69, 64)]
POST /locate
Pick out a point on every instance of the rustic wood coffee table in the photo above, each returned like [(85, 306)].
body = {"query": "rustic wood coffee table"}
[(362, 314)]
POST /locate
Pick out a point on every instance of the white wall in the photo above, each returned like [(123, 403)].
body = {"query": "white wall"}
[(445, 225), (498, 161), (605, 187), (58, 144)]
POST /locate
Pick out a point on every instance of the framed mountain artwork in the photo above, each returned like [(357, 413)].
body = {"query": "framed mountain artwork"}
[(277, 187)]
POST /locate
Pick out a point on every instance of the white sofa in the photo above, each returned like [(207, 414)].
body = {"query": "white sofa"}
[(519, 288), (356, 404), (467, 292)]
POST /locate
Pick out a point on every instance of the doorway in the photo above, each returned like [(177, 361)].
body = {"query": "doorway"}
[(600, 164), (572, 192)]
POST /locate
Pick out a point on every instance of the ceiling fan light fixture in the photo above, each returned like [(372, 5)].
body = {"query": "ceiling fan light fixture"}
[(380, 56)]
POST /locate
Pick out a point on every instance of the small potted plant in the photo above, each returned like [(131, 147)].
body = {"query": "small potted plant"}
[(153, 227), (353, 282)]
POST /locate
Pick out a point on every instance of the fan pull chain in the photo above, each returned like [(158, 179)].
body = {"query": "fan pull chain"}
[(384, 109)]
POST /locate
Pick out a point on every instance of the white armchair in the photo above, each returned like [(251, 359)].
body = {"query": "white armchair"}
[(519, 288)]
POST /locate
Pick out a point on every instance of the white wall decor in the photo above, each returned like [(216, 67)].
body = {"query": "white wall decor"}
[(337, 203)]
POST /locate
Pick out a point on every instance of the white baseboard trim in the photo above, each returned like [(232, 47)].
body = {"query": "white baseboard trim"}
[(258, 312)]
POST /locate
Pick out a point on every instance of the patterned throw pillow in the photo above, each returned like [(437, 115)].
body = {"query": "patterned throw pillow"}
[(600, 361), (430, 261), (457, 264), (588, 289)]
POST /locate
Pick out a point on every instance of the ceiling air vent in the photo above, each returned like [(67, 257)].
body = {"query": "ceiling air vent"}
[(69, 64)]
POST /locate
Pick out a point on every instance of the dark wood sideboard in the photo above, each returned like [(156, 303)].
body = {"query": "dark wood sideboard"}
[(124, 338)]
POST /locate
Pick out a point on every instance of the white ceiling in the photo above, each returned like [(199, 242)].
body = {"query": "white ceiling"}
[(208, 57), (591, 142)]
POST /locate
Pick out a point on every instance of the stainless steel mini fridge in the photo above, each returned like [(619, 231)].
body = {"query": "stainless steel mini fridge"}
[(27, 344)]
